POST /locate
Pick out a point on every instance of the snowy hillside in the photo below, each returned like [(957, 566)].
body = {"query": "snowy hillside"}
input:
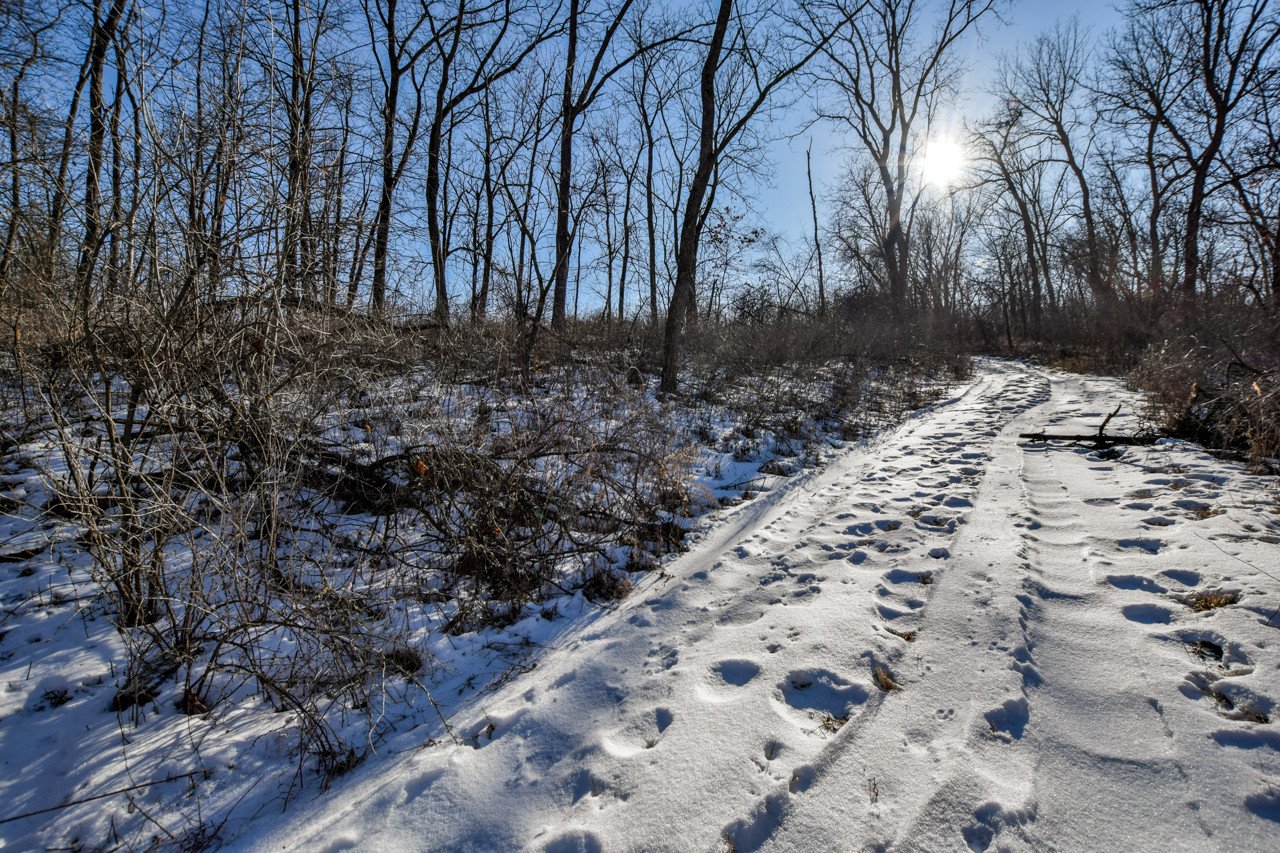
[(948, 640)]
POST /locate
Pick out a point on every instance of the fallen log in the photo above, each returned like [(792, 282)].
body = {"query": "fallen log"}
[(1100, 439)]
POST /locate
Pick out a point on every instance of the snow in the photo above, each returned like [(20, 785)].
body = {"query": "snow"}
[(944, 639), (1057, 693)]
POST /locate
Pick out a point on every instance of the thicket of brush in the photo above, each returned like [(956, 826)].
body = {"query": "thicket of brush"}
[(1217, 382), (292, 500)]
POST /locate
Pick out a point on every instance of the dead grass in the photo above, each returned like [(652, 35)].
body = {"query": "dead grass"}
[(605, 586), (884, 680), (1206, 649), (1210, 599), (1253, 715), (831, 723)]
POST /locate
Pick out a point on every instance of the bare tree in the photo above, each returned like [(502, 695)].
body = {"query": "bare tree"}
[(888, 73), (726, 109), (1045, 84), (817, 237), (1188, 67), (105, 24), (399, 47), (473, 50)]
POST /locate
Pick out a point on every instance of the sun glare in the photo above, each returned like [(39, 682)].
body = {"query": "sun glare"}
[(943, 163)]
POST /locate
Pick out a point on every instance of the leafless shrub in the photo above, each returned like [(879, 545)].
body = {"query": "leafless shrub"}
[(270, 496), (1219, 394)]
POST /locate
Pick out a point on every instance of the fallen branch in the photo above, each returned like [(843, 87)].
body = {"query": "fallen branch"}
[(1100, 438)]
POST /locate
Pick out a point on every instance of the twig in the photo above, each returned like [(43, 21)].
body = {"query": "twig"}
[(1103, 429), (98, 797)]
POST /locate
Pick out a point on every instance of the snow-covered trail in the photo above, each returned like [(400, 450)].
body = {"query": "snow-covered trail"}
[(1054, 694)]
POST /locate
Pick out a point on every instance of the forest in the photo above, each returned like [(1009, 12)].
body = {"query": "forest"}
[(345, 340)]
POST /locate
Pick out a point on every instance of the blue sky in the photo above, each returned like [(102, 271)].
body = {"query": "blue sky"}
[(785, 204)]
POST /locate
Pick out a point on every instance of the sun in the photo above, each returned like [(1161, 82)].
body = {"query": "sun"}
[(943, 163)]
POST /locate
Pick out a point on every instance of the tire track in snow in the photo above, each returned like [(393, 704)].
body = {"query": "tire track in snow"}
[(929, 767), (1068, 731)]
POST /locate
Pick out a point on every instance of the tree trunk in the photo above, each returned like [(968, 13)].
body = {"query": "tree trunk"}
[(817, 242), (687, 251), (91, 242), (568, 117)]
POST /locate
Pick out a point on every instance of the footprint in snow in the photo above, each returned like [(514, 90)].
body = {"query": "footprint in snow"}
[(642, 733), (587, 784), (1135, 582), (820, 691), (574, 841), (1236, 701), (889, 614), (419, 784), (1151, 546), (1248, 738), (1182, 576), (1265, 804), (1210, 647), (737, 673), (661, 659), (1009, 719), (1147, 614), (663, 718), (988, 820), (900, 576), (493, 727), (740, 616)]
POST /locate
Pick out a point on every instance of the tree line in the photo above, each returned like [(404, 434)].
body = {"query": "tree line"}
[(545, 161)]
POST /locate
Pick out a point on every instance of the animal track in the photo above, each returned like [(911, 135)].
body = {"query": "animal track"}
[(988, 820), (901, 576), (740, 616), (574, 841), (1151, 546)]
